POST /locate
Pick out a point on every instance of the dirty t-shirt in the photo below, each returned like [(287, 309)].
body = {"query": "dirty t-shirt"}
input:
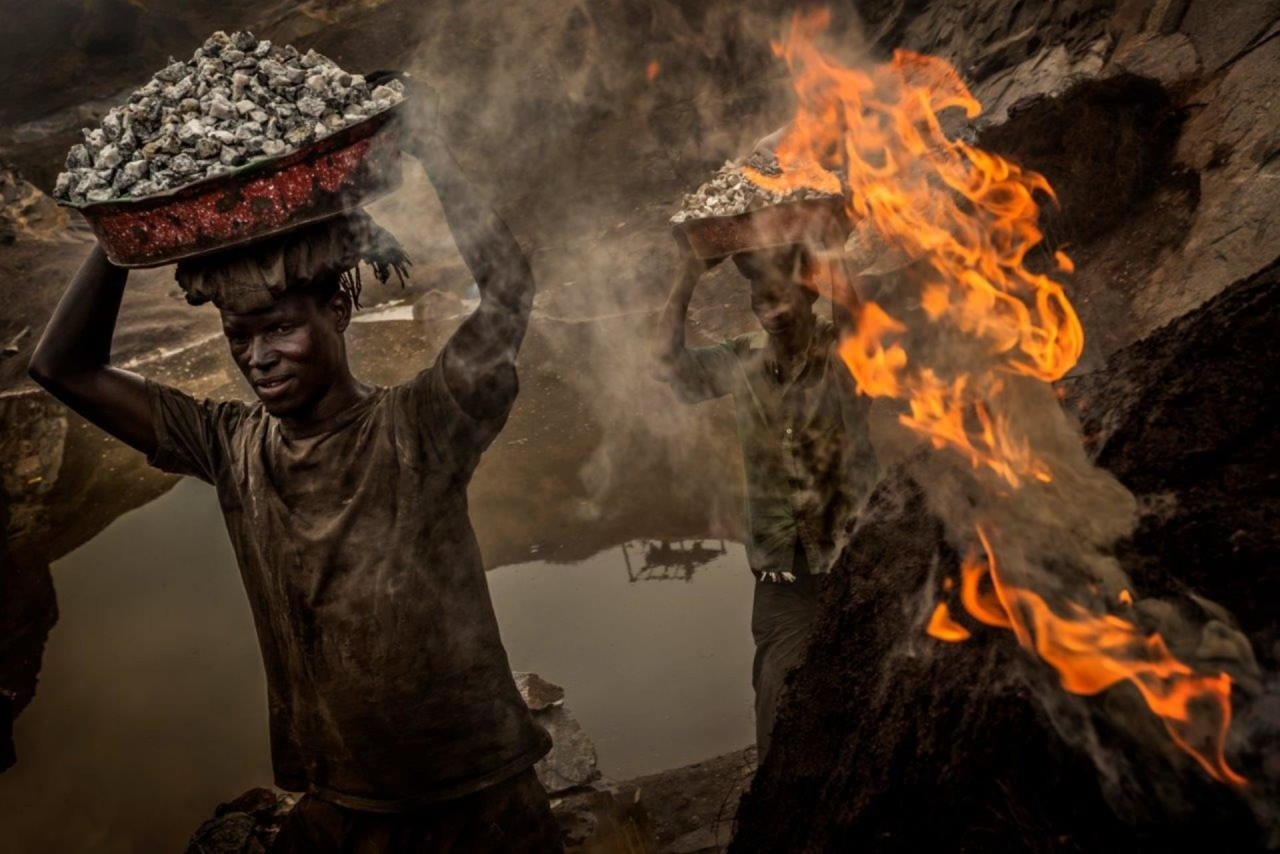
[(805, 445), (387, 681)]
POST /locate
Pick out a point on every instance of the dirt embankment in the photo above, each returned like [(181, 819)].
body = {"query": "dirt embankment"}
[(882, 719)]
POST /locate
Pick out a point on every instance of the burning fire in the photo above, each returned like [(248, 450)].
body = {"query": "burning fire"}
[(942, 627), (970, 215), (1092, 652), (969, 220)]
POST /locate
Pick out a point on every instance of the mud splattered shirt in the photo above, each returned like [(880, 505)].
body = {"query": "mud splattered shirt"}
[(387, 681), (805, 444)]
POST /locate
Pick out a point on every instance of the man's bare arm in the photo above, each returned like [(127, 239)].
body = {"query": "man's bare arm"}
[(672, 361), (73, 359), (669, 349), (479, 362)]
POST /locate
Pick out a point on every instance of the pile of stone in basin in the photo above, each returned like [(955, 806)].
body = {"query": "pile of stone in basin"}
[(731, 192), (236, 100)]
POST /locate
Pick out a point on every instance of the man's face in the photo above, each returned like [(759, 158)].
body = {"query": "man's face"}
[(292, 352), (778, 294)]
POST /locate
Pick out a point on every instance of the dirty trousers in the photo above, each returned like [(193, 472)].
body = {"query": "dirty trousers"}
[(782, 616), (511, 816)]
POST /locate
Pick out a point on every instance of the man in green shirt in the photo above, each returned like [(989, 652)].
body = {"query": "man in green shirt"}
[(805, 447)]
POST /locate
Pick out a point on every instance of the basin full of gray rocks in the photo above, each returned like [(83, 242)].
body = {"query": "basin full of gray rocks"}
[(730, 192), (237, 101), (731, 213)]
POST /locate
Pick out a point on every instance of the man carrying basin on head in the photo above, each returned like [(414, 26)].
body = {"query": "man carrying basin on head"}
[(391, 701), (805, 446)]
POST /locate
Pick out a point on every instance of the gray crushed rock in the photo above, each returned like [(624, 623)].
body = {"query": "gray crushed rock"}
[(730, 192), (236, 100)]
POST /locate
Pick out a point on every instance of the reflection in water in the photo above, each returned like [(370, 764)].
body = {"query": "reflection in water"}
[(151, 704), (667, 561), (658, 674)]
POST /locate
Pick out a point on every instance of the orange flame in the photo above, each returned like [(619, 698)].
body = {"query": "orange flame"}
[(1093, 652), (942, 627), (969, 220), (969, 213), (651, 70), (876, 369)]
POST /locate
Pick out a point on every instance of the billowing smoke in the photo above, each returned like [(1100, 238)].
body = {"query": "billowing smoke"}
[(585, 125)]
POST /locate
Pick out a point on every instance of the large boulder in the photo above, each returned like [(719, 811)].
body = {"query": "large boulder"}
[(26, 211)]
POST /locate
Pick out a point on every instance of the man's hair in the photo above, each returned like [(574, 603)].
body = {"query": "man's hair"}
[(347, 283), (782, 257), (810, 293), (323, 257)]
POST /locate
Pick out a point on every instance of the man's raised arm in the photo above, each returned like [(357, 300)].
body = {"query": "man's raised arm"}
[(693, 379), (479, 362), (73, 359)]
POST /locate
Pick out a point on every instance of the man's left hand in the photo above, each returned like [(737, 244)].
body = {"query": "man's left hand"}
[(421, 108)]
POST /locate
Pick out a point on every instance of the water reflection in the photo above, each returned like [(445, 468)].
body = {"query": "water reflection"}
[(668, 561), (151, 705), (658, 674)]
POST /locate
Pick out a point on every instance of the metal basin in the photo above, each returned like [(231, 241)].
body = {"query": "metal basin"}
[(808, 221)]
